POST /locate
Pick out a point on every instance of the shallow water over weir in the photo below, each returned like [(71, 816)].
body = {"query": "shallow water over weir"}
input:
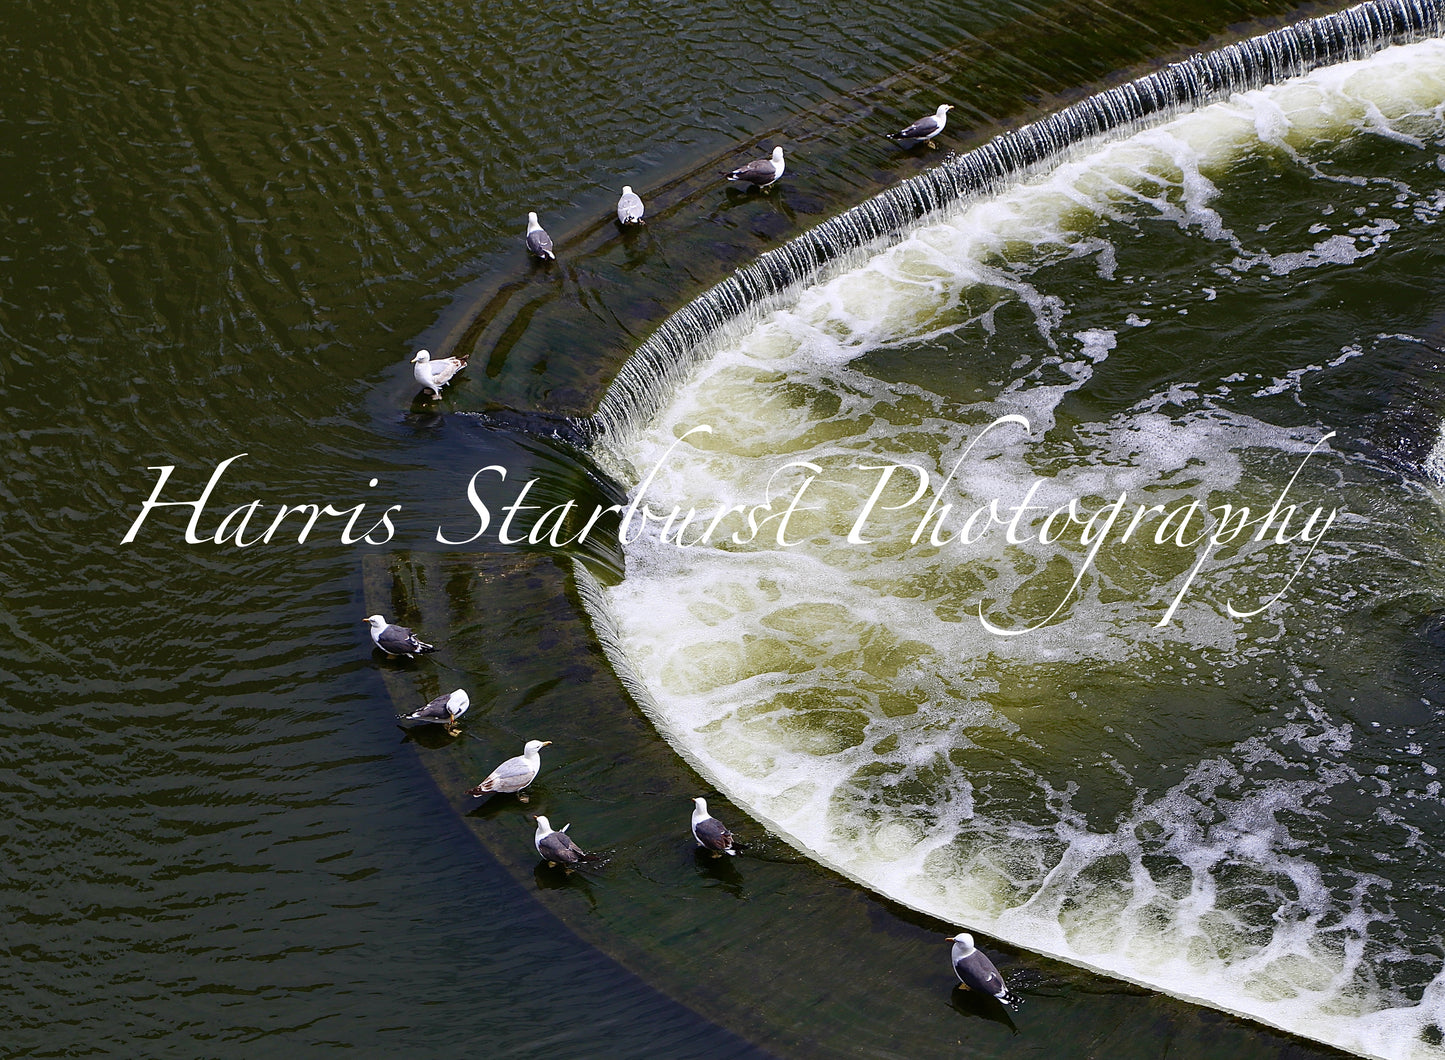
[(968, 607), (226, 229)]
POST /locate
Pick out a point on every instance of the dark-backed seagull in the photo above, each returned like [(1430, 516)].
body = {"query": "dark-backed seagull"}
[(396, 640), (444, 710), (557, 847), (761, 173), (710, 833), (976, 972), (538, 241), (926, 128)]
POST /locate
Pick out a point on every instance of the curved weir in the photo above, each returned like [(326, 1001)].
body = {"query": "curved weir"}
[(689, 336), (1201, 761)]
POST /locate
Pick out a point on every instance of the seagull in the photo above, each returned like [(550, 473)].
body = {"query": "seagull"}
[(396, 640), (433, 375), (629, 207), (538, 241), (976, 972), (709, 832), (557, 847), (444, 710), (515, 773), (762, 173), (926, 128)]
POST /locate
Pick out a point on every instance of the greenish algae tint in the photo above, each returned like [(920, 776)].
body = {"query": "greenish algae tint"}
[(1063, 569)]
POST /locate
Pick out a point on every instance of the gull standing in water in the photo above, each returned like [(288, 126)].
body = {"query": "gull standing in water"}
[(538, 241), (557, 847), (435, 374), (710, 833), (515, 773), (762, 173), (396, 640), (926, 128), (629, 207), (976, 972), (444, 710)]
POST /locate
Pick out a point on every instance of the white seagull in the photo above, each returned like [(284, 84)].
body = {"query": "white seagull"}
[(629, 207), (435, 374), (444, 710), (710, 833), (515, 773), (926, 128), (557, 847), (762, 173), (976, 972), (538, 241), (396, 640)]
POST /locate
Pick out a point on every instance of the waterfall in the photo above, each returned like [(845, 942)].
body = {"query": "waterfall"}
[(687, 338), (1434, 464), (1235, 808)]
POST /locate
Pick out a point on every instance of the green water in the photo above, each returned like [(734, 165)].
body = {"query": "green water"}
[(223, 231), (1139, 756)]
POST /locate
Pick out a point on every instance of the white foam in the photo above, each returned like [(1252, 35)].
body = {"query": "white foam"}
[(1434, 463), (1051, 788)]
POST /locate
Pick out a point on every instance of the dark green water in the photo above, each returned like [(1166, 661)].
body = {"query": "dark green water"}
[(222, 231)]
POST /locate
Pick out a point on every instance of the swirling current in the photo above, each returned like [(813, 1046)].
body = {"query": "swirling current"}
[(1201, 762)]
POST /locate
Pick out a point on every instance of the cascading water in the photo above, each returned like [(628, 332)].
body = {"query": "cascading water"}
[(1434, 464), (1042, 678), (693, 333)]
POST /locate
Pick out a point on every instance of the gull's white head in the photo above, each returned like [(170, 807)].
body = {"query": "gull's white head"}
[(777, 156), (533, 746), (544, 826), (943, 111), (964, 939), (458, 701), (376, 622), (532, 224), (422, 356), (627, 189), (699, 805)]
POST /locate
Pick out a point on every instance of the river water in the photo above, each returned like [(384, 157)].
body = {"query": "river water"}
[(223, 231), (1205, 761)]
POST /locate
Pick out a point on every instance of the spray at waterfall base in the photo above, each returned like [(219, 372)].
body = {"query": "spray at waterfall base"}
[(784, 519), (1216, 809)]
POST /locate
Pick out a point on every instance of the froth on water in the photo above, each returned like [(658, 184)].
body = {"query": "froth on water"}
[(1200, 763)]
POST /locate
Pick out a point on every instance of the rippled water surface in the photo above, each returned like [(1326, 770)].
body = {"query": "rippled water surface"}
[(223, 229)]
